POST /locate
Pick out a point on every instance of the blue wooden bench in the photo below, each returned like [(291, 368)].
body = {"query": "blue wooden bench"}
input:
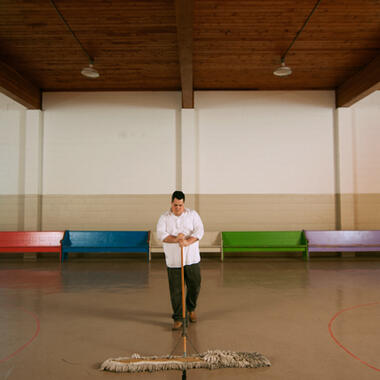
[(105, 242), (343, 241)]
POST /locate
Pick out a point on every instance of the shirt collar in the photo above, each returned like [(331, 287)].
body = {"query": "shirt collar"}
[(185, 211)]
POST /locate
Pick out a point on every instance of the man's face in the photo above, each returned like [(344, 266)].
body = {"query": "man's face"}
[(178, 207)]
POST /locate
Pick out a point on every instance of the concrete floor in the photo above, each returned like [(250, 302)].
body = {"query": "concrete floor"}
[(61, 322)]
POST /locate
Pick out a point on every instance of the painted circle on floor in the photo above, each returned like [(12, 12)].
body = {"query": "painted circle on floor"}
[(334, 318), (28, 342)]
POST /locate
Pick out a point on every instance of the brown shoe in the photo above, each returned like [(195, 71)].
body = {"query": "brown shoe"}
[(192, 316), (177, 325)]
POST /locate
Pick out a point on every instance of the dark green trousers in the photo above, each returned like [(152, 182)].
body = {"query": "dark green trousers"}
[(193, 285)]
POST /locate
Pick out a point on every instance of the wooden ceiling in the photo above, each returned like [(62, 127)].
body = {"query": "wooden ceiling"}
[(189, 45)]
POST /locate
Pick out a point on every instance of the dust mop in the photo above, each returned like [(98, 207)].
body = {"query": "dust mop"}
[(211, 359)]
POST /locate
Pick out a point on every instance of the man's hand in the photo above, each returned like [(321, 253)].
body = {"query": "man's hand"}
[(180, 237), (187, 241), (184, 243)]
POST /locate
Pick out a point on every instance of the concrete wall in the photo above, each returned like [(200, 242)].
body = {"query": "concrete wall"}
[(264, 160), (12, 163), (360, 163), (110, 143), (247, 160), (265, 142)]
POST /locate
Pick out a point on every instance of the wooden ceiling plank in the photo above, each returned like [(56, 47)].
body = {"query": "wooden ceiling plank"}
[(234, 45), (359, 85), (184, 17), (15, 86)]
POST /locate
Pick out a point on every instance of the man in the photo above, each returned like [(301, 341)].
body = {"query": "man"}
[(181, 227)]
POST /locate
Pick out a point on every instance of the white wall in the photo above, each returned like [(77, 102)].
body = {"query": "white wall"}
[(244, 142), (110, 143), (12, 143), (265, 142), (366, 144), (276, 144)]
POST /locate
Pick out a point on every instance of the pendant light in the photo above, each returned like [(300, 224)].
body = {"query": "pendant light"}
[(283, 70), (88, 71)]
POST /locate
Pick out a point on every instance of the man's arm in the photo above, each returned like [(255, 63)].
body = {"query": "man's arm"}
[(197, 232), (181, 240), (187, 241), (174, 239)]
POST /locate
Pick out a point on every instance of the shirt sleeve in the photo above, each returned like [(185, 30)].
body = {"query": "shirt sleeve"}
[(198, 226), (162, 234)]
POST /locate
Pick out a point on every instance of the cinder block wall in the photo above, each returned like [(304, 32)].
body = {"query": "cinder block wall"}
[(247, 160)]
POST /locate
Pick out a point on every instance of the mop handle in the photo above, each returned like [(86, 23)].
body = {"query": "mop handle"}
[(183, 303)]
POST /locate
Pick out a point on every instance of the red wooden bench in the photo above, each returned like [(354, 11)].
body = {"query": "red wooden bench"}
[(31, 241)]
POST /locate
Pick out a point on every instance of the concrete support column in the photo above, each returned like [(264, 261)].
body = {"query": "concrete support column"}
[(33, 173), (346, 171), (189, 156), (33, 170)]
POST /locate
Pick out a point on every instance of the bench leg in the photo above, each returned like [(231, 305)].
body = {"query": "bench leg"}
[(30, 256), (306, 255), (348, 254)]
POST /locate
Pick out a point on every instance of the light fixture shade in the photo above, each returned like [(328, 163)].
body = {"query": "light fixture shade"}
[(282, 71), (90, 72)]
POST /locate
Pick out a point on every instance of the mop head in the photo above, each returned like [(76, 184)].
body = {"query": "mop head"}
[(209, 360)]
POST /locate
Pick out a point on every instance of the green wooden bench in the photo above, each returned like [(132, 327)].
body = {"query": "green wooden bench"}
[(264, 241)]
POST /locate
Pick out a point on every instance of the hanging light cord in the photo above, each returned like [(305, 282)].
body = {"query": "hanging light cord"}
[(76, 38), (300, 31)]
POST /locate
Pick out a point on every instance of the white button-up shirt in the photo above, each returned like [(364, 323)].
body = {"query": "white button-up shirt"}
[(188, 223)]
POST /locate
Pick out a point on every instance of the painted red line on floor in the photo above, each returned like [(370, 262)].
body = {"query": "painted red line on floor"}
[(37, 331), (340, 344)]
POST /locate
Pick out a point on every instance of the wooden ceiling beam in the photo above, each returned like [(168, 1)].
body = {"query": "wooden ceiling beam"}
[(359, 85), (184, 18), (15, 86)]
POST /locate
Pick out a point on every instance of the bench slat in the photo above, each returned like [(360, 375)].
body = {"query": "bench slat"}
[(30, 238), (340, 245)]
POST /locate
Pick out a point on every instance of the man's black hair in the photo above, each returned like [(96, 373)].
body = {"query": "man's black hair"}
[(178, 195)]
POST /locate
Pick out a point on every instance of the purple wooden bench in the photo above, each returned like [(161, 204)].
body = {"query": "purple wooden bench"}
[(343, 241)]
